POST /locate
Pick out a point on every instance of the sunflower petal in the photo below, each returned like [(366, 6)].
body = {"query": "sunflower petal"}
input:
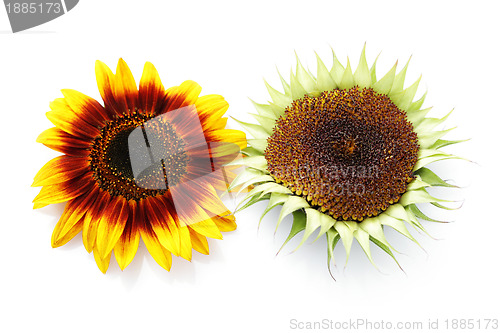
[(306, 81), (86, 107), (184, 95), (337, 71), (163, 225), (292, 204), (151, 91), (417, 104), (128, 243), (298, 225), (296, 87), (347, 80), (50, 194), (125, 88), (363, 239), (403, 101), (105, 82), (61, 169), (346, 234), (397, 225), (266, 123), (374, 228), (199, 242), (226, 222), (72, 228), (428, 124), (399, 80), (416, 117), (332, 238), (278, 98), (419, 196), (373, 71), (161, 255), (324, 79), (427, 139), (384, 85), (71, 124), (243, 177), (264, 110), (211, 108), (315, 220), (102, 261), (111, 225), (418, 213), (274, 200), (92, 216), (245, 203), (63, 142), (362, 75), (71, 221), (257, 162), (259, 144), (431, 178)]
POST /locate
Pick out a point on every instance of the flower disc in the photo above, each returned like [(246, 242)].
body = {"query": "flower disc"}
[(348, 152), (111, 151)]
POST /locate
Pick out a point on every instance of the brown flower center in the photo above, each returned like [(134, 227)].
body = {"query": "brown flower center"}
[(137, 156), (350, 153)]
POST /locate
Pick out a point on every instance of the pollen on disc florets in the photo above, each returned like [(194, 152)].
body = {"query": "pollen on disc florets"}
[(350, 153), (112, 167)]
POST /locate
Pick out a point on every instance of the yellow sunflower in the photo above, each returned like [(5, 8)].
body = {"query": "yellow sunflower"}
[(147, 164), (346, 154)]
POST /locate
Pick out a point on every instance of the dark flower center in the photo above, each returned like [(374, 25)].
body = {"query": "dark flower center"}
[(137, 156), (350, 153)]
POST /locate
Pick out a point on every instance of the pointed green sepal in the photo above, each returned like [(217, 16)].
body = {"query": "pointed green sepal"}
[(362, 75), (384, 85)]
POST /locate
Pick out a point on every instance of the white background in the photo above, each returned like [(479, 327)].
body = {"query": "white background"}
[(229, 47)]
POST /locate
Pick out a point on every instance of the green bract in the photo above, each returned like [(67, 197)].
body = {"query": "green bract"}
[(309, 219)]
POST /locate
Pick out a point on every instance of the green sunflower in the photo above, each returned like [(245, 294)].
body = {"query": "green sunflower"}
[(346, 154)]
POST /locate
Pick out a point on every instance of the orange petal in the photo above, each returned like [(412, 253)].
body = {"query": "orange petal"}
[(50, 194), (198, 220), (179, 230), (86, 107), (73, 227), (227, 135), (163, 225), (63, 142), (151, 90), (161, 255), (185, 94), (186, 245), (126, 247), (105, 82), (211, 108), (199, 242), (205, 196), (60, 169), (111, 225), (92, 216), (102, 261), (63, 116), (71, 221), (219, 123), (125, 88), (226, 222)]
